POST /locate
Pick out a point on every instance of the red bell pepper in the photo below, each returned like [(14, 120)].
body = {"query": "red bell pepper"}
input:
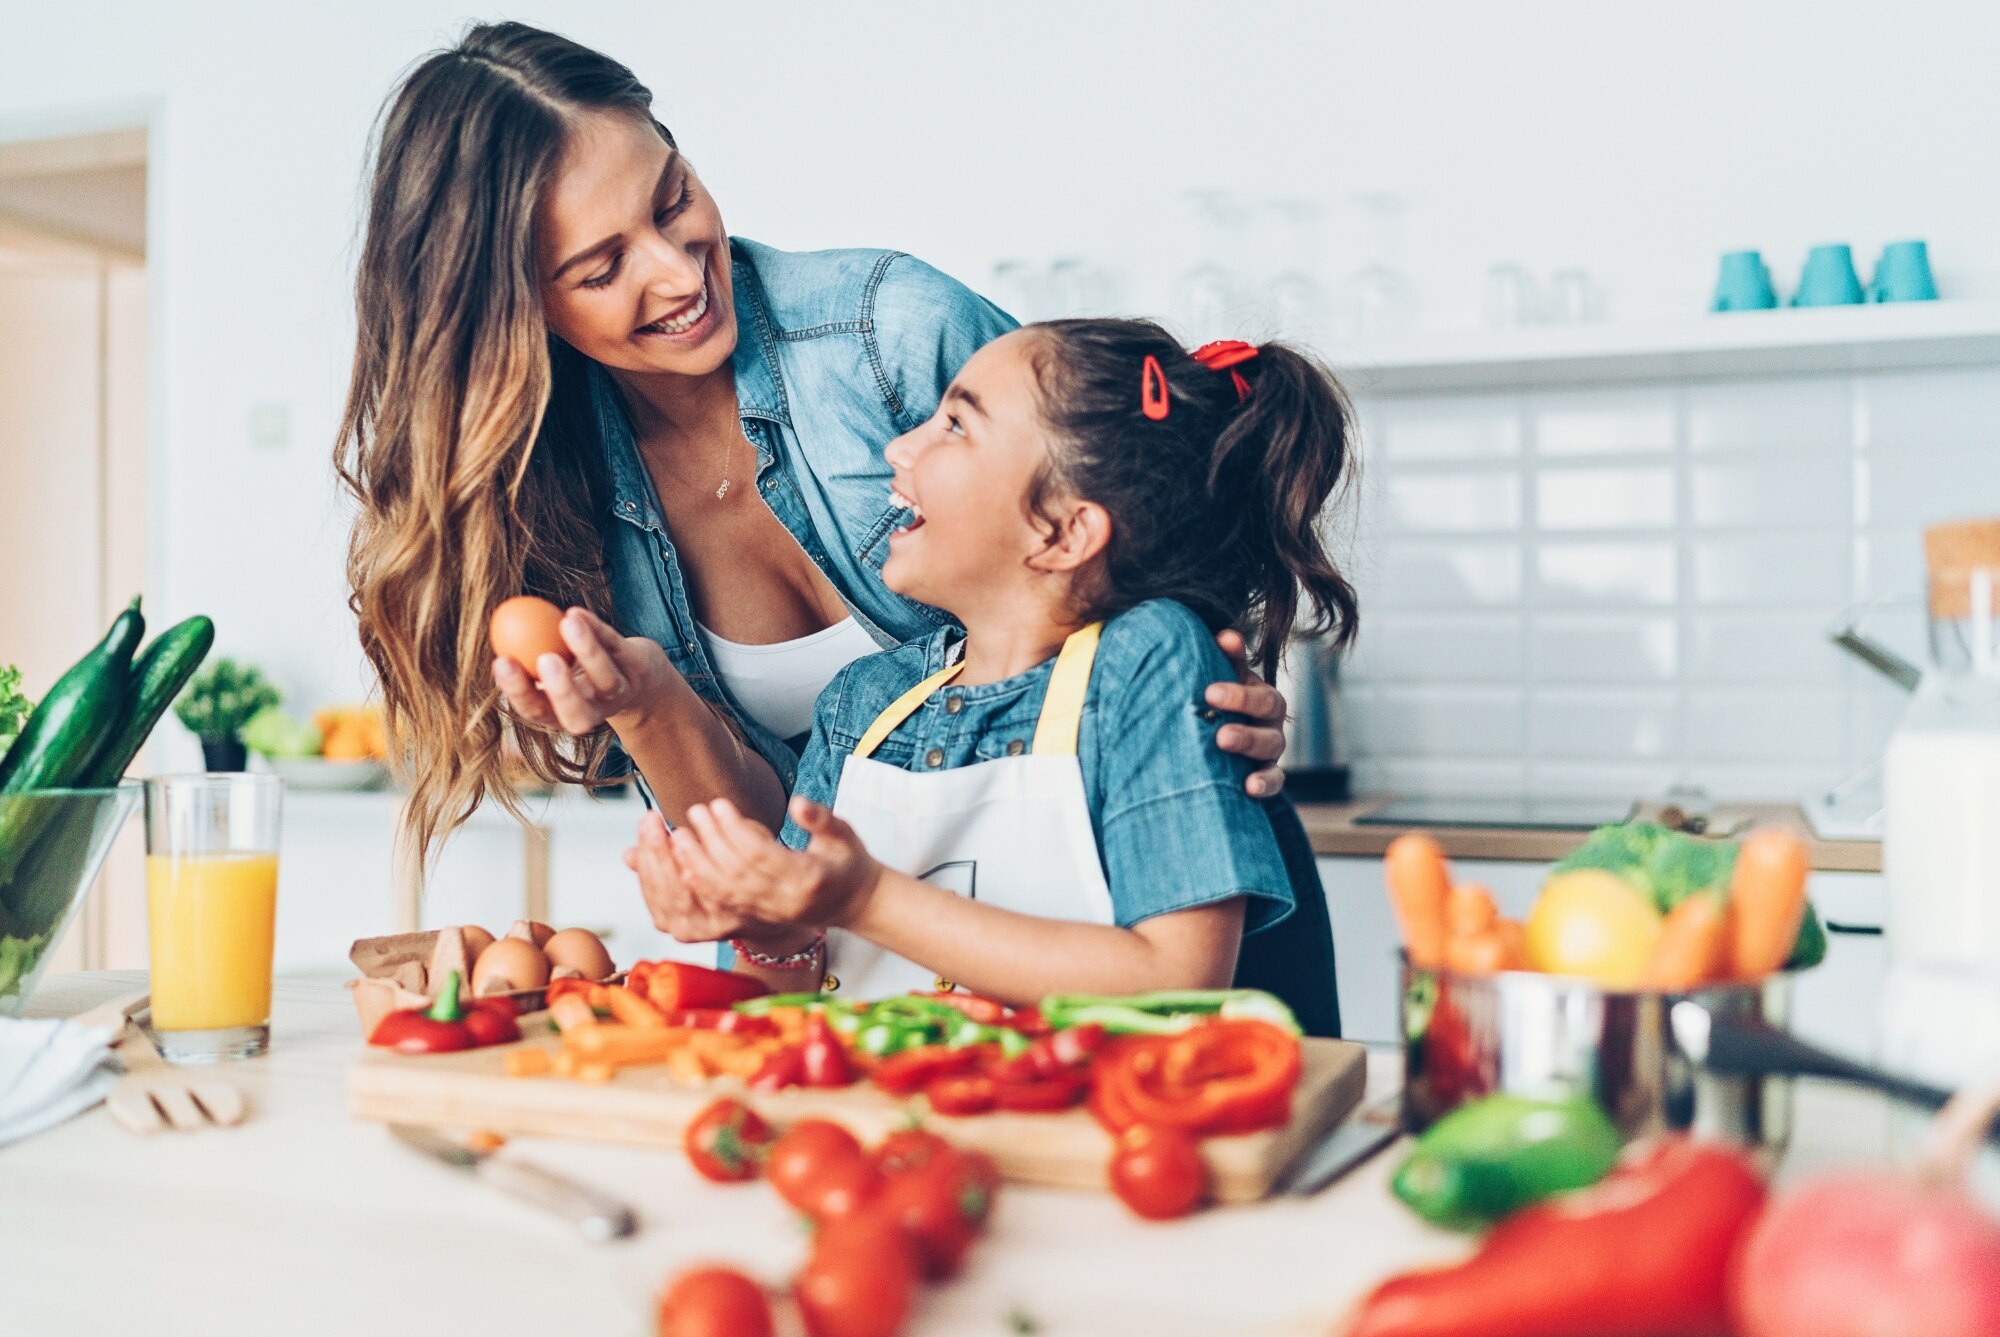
[(985, 1011), (823, 1058), (1215, 1077), (970, 1094), (911, 1071), (444, 1026), (1041, 1095), (673, 986), (725, 1020), (1643, 1253)]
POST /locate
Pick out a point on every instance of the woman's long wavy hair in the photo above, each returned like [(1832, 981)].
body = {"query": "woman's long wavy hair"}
[(467, 438)]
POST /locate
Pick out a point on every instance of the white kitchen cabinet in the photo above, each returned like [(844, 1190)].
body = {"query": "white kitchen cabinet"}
[(1834, 1005)]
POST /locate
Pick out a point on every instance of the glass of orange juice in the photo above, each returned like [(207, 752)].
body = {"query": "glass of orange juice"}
[(212, 902)]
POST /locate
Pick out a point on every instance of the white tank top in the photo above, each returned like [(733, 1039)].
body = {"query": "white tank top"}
[(777, 684)]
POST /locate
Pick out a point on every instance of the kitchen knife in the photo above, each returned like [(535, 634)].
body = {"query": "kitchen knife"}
[(1347, 1147), (596, 1216)]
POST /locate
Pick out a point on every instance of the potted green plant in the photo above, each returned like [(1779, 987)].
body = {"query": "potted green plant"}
[(217, 704)]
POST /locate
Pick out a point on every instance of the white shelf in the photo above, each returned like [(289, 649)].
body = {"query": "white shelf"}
[(1741, 343)]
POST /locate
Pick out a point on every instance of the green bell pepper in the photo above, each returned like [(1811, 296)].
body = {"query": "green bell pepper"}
[(1500, 1153), (1166, 1011)]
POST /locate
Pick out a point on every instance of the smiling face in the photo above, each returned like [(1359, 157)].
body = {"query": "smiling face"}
[(633, 257), (966, 475)]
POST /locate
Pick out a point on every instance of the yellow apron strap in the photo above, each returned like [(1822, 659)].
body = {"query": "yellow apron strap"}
[(1062, 706), (902, 708)]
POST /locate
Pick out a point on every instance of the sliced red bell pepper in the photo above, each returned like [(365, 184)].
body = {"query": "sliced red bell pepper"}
[(909, 1072), (1072, 1048), (985, 1011), (1644, 1252), (823, 1058), (673, 986), (1030, 1021), (1216, 1077), (970, 1094), (1042, 1094), (726, 1020)]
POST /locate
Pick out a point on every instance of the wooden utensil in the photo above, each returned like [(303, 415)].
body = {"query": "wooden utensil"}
[(152, 1094)]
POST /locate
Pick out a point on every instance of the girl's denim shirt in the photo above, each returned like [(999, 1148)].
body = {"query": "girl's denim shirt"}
[(1174, 828), (837, 354)]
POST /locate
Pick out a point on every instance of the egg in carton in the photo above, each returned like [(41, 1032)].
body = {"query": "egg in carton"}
[(405, 970)]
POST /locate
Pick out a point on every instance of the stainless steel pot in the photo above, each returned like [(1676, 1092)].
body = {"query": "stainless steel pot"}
[(1466, 1036)]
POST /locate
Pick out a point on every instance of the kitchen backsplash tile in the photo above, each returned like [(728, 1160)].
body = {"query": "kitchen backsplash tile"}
[(1925, 410), (1452, 503), (1609, 648), (1578, 724), (1610, 589), (1607, 421), (1798, 490), (1449, 427), (1617, 499), (1605, 573), (1773, 414)]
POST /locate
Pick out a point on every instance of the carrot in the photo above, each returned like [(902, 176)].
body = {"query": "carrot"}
[(1767, 901), (615, 1042), (1514, 951), (1481, 953), (1693, 947), (1469, 909), (1419, 882), (526, 1062), (630, 1008)]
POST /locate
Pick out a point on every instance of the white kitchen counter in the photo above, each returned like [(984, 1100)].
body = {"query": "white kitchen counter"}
[(304, 1222)]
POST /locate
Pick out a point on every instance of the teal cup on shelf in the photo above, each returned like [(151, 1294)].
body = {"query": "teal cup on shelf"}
[(1903, 274), (1829, 278), (1744, 284)]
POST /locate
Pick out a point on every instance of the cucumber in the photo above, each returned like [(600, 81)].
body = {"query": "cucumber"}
[(77, 719), (68, 731), (158, 675)]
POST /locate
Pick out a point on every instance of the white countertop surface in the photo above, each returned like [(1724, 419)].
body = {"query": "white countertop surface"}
[(303, 1221)]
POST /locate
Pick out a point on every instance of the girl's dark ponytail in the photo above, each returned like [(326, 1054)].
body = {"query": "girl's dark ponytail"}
[(1220, 502), (1287, 447)]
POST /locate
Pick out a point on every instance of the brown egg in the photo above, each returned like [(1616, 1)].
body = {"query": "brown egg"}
[(524, 629), (529, 930), (508, 965), (477, 940), (581, 951)]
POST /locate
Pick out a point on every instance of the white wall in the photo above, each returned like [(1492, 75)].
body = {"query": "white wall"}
[(1639, 141)]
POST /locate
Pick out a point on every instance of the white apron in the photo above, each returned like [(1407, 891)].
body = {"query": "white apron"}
[(1013, 832)]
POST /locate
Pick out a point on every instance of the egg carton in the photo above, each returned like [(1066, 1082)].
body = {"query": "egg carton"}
[(396, 973)]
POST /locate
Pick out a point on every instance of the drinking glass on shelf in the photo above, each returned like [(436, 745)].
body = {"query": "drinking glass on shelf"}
[(1512, 297), (1376, 301), (1573, 298), (211, 902), (1208, 295), (1019, 290), (1297, 298), (1075, 288)]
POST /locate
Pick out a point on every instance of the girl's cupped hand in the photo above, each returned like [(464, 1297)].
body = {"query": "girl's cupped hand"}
[(1263, 738), (721, 875), (609, 679)]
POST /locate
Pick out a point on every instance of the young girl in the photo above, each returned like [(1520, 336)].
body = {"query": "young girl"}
[(1037, 804)]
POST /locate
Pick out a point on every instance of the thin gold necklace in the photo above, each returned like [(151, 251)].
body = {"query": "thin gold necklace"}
[(722, 488)]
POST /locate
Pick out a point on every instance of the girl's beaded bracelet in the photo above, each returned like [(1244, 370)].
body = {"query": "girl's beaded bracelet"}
[(806, 958)]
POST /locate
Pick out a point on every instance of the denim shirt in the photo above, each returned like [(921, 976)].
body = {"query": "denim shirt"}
[(837, 354), (1174, 827)]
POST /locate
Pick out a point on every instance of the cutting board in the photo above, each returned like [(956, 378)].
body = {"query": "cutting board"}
[(645, 1106)]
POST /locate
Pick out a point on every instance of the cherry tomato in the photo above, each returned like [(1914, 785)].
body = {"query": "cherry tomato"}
[(727, 1141), (859, 1281), (1041, 1095), (910, 1149), (714, 1302), (1159, 1172), (804, 1150), (838, 1190), (935, 1213)]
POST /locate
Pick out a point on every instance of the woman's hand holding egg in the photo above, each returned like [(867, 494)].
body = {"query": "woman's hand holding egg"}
[(573, 671)]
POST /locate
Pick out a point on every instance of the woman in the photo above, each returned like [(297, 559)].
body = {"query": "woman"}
[(562, 360)]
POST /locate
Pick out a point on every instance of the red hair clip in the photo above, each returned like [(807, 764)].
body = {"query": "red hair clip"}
[(1153, 390), (1225, 355)]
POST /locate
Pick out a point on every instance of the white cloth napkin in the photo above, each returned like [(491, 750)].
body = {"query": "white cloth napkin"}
[(49, 1071)]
